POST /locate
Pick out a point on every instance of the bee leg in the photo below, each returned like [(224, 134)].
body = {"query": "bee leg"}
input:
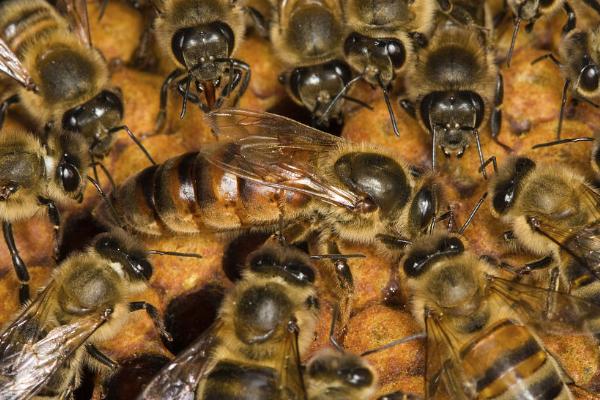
[(99, 356), (143, 57), (571, 19), (161, 118), (409, 107), (332, 338), (153, 314), (258, 22), (563, 102), (240, 77), (491, 160), (4, 107), (54, 216), (19, 265), (496, 117)]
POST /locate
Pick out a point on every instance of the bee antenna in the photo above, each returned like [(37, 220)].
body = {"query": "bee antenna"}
[(513, 40), (106, 173), (563, 102), (135, 140), (102, 9), (338, 96), (173, 253), (388, 104), (332, 339), (106, 199), (563, 141), (406, 339), (188, 82), (472, 215)]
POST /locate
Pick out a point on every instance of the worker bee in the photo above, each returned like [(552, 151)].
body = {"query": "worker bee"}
[(456, 87), (307, 36), (202, 37), (382, 36), (33, 178), (335, 375), (43, 350), (579, 63), (253, 349), (482, 330), (64, 81), (268, 169), (554, 213), (532, 10)]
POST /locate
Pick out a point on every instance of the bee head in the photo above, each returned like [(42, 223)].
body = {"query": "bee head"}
[(378, 58), (345, 368), (452, 117), (95, 119), (293, 266), (118, 249), (200, 48), (314, 87)]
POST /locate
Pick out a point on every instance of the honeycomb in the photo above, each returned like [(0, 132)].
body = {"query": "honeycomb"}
[(188, 291)]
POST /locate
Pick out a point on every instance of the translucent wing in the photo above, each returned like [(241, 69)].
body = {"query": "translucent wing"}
[(290, 369), (444, 378), (278, 152), (582, 246), (77, 14), (547, 311), (24, 372), (11, 66), (180, 378)]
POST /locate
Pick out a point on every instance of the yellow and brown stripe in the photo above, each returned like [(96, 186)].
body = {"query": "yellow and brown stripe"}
[(188, 194), (507, 362), (23, 22)]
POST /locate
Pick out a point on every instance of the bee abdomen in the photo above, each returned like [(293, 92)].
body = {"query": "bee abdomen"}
[(508, 362), (230, 381), (22, 22)]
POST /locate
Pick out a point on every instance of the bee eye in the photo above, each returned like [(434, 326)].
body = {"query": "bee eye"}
[(352, 43), (69, 177), (300, 271), (140, 267), (413, 266), (262, 262), (357, 376), (396, 52), (590, 76), (452, 245), (296, 80)]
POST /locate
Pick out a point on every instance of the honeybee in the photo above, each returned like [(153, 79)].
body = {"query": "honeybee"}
[(580, 67), (202, 37), (268, 169), (33, 178), (307, 36), (253, 349), (532, 10), (554, 213), (381, 38), (456, 87), (64, 81), (338, 375), (482, 330), (43, 351)]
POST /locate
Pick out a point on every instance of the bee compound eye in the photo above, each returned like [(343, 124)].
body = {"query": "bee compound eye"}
[(69, 177), (357, 376), (590, 76), (452, 245), (396, 51)]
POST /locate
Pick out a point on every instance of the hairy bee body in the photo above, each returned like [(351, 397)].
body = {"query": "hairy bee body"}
[(313, 180), (43, 351), (307, 37), (182, 14), (480, 344), (553, 212), (252, 351), (580, 56), (456, 87), (70, 76)]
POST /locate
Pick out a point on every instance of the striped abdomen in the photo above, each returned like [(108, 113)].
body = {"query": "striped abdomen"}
[(233, 381), (188, 194), (22, 22), (508, 362)]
